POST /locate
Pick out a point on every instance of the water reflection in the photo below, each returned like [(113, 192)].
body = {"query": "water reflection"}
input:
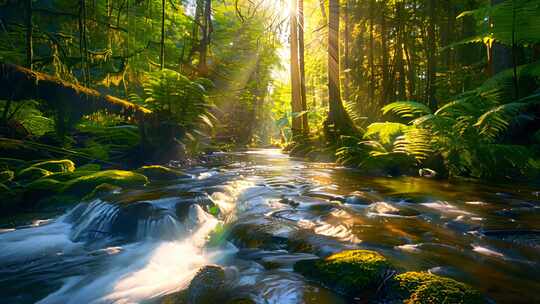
[(139, 245)]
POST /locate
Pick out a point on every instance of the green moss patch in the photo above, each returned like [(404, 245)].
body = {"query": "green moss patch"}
[(32, 173), (56, 166), (86, 184), (89, 167), (160, 173), (426, 288), (352, 272), (6, 176)]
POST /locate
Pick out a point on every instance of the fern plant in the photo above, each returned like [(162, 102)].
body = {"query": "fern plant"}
[(467, 132), (181, 103)]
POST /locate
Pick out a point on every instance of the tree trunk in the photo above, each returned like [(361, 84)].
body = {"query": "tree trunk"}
[(499, 56), (431, 56), (305, 122), (83, 49), (296, 94), (338, 121), (400, 63), (162, 51), (384, 48), (205, 39), (29, 35), (323, 11), (371, 89), (346, 52)]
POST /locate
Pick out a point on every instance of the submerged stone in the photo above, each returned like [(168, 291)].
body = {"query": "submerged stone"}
[(32, 173), (160, 173), (352, 273), (56, 166), (425, 288), (86, 184)]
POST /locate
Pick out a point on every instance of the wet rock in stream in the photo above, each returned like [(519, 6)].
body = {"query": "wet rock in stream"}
[(367, 276)]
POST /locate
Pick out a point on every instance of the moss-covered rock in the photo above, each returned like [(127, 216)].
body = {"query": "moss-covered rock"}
[(352, 272), (39, 190), (86, 184), (89, 167), (426, 288), (160, 173), (67, 176), (6, 176), (32, 173), (102, 190), (208, 286), (12, 164), (57, 166)]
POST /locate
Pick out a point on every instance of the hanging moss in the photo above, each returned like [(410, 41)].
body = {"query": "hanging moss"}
[(69, 101), (57, 166), (426, 288)]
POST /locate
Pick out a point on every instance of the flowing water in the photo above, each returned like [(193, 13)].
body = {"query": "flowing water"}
[(139, 245)]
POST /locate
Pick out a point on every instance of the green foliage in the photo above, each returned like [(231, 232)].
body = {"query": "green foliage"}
[(385, 132), (502, 17), (181, 102), (407, 109)]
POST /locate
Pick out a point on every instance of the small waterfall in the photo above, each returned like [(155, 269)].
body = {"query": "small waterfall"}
[(92, 220)]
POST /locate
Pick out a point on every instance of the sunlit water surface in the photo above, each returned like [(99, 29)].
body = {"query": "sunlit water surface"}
[(140, 245)]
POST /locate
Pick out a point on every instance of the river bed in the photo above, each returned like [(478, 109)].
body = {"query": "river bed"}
[(142, 244)]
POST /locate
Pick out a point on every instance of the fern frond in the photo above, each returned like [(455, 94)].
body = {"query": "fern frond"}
[(385, 132), (407, 109)]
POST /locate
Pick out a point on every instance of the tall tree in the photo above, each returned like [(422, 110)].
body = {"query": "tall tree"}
[(29, 35), (338, 121), (301, 57), (296, 94), (431, 51), (162, 43), (206, 30)]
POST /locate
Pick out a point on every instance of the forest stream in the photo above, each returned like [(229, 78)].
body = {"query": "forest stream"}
[(142, 244)]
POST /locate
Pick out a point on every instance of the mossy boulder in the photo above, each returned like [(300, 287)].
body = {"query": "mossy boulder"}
[(160, 173), (354, 273), (86, 184), (56, 166), (208, 286), (32, 173), (39, 190), (12, 164), (102, 190), (426, 288), (6, 176), (89, 167)]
